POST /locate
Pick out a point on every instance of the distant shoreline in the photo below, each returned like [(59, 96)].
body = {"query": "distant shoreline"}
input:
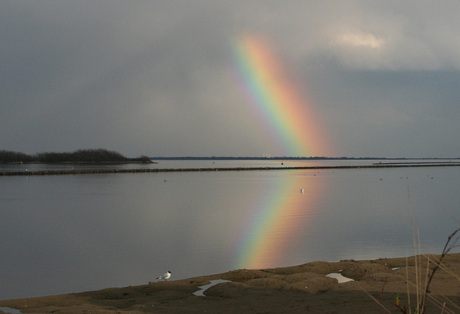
[(298, 158), (104, 171), (99, 155), (127, 162)]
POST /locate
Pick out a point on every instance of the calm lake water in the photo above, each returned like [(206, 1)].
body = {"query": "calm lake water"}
[(73, 233)]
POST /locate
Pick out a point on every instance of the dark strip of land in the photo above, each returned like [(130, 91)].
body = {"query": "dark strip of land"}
[(413, 163), (147, 170)]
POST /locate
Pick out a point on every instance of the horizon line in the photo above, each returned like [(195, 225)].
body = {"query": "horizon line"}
[(291, 157)]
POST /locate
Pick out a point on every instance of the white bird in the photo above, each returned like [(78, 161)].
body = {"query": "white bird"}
[(165, 276)]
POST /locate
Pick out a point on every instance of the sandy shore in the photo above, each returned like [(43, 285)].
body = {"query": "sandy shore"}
[(298, 289)]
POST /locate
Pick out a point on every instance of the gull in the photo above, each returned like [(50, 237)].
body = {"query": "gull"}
[(165, 276)]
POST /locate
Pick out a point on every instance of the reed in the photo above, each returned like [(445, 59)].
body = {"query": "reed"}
[(423, 279)]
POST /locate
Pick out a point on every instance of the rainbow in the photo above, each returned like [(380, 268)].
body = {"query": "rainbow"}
[(277, 217), (275, 220), (268, 88)]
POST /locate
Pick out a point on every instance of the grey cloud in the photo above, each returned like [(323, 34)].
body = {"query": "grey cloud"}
[(155, 78)]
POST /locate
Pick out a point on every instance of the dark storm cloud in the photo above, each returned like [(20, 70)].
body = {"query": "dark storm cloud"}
[(155, 78), (400, 111)]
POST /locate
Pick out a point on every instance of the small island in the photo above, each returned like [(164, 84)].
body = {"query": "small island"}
[(87, 156)]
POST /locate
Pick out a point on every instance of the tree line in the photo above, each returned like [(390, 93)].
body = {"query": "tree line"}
[(80, 156)]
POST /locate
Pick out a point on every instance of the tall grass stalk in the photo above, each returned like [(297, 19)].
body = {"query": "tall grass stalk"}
[(423, 281)]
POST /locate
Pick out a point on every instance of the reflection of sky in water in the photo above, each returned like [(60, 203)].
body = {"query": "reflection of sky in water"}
[(73, 233), (276, 217), (176, 164)]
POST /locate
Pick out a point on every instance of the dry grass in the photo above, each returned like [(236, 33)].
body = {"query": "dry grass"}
[(425, 268)]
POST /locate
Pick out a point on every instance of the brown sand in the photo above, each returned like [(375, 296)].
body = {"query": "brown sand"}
[(297, 289)]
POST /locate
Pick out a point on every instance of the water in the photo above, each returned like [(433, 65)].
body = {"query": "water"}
[(176, 164), (63, 234)]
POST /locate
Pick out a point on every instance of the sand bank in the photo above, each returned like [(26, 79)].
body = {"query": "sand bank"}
[(299, 289), (150, 170)]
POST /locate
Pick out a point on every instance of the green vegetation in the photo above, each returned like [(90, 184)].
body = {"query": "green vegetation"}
[(80, 156)]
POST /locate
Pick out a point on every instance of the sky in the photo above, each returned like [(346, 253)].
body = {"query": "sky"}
[(162, 78)]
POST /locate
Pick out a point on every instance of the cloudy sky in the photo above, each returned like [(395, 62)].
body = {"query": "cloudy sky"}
[(156, 77)]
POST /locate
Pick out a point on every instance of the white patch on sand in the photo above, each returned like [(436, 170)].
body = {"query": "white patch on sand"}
[(9, 310), (200, 293), (339, 277)]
